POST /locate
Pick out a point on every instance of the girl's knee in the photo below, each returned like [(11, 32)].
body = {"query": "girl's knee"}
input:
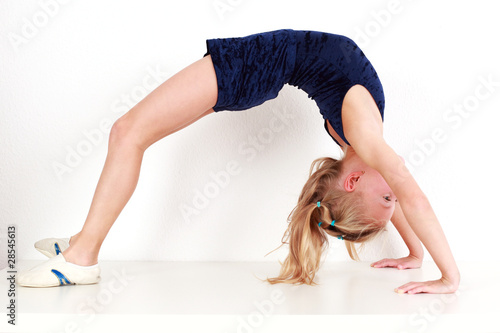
[(122, 132)]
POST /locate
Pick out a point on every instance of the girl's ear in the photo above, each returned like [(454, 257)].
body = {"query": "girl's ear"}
[(351, 181)]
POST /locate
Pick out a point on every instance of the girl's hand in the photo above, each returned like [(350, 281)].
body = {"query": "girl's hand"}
[(401, 263), (441, 286)]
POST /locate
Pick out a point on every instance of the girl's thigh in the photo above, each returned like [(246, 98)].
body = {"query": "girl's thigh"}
[(181, 100)]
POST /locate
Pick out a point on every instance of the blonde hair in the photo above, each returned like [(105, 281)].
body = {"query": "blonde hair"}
[(307, 240)]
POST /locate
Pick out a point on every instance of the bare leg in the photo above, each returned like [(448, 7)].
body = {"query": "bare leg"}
[(181, 100)]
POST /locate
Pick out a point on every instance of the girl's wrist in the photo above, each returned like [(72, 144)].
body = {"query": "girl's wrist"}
[(417, 255), (453, 278)]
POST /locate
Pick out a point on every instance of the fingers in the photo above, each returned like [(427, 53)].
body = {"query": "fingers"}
[(385, 263), (402, 263), (390, 263), (412, 288), (406, 287)]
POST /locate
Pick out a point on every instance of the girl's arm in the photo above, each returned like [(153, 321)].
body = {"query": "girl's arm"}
[(414, 259), (363, 129)]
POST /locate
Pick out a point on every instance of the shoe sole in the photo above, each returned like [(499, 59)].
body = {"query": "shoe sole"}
[(61, 285)]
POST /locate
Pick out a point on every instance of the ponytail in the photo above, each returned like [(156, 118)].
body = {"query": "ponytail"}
[(310, 223)]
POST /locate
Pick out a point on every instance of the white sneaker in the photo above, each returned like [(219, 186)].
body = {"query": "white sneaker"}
[(58, 272), (51, 247)]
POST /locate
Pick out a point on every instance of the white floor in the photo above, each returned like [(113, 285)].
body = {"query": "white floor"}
[(229, 297)]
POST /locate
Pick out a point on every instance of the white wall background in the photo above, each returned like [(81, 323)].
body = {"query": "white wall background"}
[(69, 69)]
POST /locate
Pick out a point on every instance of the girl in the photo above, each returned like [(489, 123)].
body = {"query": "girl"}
[(352, 198)]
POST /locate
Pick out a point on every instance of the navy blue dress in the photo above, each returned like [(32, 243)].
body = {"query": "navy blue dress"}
[(251, 70)]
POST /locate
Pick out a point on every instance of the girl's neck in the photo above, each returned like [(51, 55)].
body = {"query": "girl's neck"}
[(352, 162)]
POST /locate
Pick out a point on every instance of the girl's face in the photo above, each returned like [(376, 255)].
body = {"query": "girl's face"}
[(377, 195)]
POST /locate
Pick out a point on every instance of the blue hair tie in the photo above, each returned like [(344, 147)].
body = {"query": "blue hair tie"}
[(318, 203), (338, 237), (332, 224)]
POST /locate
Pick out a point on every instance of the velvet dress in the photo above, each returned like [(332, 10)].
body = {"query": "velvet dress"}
[(253, 69)]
